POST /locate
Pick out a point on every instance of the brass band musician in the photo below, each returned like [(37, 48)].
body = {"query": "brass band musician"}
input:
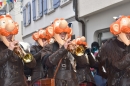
[(11, 65), (42, 40), (67, 75)]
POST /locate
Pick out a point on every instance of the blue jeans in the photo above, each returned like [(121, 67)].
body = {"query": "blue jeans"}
[(99, 80)]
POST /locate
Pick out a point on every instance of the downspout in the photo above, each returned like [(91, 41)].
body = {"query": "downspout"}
[(75, 6)]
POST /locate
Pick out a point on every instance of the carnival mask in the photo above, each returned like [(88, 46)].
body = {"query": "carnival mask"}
[(121, 28), (94, 49), (8, 29), (61, 31), (40, 37)]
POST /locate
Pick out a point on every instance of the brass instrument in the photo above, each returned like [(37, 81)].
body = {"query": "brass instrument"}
[(78, 50), (26, 57)]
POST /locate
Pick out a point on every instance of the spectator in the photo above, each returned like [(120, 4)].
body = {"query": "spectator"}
[(100, 81)]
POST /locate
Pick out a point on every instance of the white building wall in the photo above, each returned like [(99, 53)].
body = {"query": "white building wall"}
[(102, 20), (28, 39), (87, 7), (76, 27), (65, 12), (17, 16)]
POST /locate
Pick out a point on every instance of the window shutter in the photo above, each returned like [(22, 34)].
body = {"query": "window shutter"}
[(29, 12), (40, 8), (56, 3), (34, 9), (24, 16), (44, 6)]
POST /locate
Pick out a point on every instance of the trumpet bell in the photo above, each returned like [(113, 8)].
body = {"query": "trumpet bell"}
[(27, 58), (22, 50), (80, 50)]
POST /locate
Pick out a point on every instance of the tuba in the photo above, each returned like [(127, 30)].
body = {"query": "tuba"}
[(19, 51)]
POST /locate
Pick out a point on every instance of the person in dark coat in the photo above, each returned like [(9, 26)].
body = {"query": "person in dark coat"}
[(38, 72), (11, 65), (35, 74), (67, 74), (99, 80), (115, 53)]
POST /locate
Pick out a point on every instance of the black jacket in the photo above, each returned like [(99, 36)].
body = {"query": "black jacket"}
[(11, 68), (116, 56), (66, 76)]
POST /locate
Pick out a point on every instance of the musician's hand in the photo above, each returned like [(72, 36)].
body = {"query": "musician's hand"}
[(45, 43), (67, 43), (72, 46), (12, 45)]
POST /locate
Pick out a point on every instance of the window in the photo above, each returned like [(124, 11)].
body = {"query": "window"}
[(74, 5), (64, 2), (34, 10), (56, 3), (40, 8), (27, 14), (103, 36), (44, 6), (24, 16), (27, 9), (21, 27), (50, 6), (37, 9)]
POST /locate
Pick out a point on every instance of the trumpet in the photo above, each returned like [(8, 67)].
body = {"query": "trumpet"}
[(78, 46), (78, 50), (26, 57)]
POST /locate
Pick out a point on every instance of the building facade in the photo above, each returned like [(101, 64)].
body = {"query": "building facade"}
[(40, 13), (98, 15), (17, 15)]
